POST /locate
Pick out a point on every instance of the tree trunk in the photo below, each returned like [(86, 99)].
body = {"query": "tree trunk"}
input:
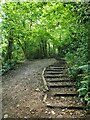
[(45, 48), (9, 47), (40, 50), (53, 50), (49, 50), (22, 48)]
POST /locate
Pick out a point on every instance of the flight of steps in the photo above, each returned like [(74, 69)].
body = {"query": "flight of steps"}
[(62, 92)]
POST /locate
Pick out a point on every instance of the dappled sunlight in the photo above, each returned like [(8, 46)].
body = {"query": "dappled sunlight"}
[(41, 43)]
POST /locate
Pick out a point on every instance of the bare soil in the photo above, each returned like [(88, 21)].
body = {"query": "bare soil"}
[(23, 93), (23, 90)]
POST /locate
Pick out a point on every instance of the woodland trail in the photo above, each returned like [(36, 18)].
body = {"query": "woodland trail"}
[(23, 93)]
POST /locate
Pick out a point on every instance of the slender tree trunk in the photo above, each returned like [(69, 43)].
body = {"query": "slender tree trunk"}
[(9, 51), (22, 47), (49, 49), (9, 47), (40, 50), (53, 50), (45, 48), (59, 49)]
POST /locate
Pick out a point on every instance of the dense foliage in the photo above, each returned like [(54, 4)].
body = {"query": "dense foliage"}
[(33, 30)]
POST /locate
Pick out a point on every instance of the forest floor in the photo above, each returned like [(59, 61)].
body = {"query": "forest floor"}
[(23, 91)]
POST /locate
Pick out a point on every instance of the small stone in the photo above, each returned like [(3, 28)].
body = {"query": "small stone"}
[(82, 115), (48, 104), (18, 105), (62, 97), (38, 90), (63, 110), (51, 98), (45, 97), (49, 113), (77, 112), (81, 99), (53, 112), (32, 112), (50, 117), (25, 74), (6, 116), (25, 117), (44, 90), (46, 111), (71, 113), (26, 89), (63, 113), (59, 116)]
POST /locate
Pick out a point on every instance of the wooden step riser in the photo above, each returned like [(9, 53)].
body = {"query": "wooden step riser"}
[(58, 70), (55, 76), (56, 67), (60, 86), (59, 63), (64, 95), (54, 72), (63, 90), (60, 81), (66, 107)]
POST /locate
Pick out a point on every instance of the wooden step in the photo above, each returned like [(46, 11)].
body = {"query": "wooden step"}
[(48, 69), (60, 59), (62, 90), (64, 107), (59, 63), (56, 67), (65, 100), (56, 86), (54, 72), (60, 83), (55, 80), (55, 76), (65, 94), (62, 78)]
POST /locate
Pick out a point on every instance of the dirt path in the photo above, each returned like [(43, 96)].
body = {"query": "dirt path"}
[(23, 90)]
